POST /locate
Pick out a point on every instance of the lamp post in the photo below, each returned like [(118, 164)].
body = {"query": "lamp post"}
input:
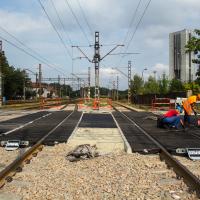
[(155, 74), (143, 72)]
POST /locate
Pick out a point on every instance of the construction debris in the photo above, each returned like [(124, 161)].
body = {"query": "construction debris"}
[(82, 152)]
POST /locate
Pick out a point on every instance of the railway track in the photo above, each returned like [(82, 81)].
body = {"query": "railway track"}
[(6, 175), (182, 170)]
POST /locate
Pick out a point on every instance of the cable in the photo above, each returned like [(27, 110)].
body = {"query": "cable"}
[(85, 18), (68, 52), (24, 45), (74, 15), (131, 22), (31, 55), (63, 27), (136, 28)]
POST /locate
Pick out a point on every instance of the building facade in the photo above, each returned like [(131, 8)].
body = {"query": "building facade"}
[(180, 62)]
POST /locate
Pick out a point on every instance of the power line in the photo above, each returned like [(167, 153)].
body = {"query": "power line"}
[(54, 27), (131, 22), (74, 15), (137, 26), (45, 61), (31, 55), (85, 18), (62, 24), (20, 42)]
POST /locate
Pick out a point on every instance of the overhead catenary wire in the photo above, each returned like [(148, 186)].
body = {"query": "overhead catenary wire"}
[(132, 21), (137, 26), (61, 22), (85, 18), (30, 54), (135, 30), (54, 27), (75, 17), (24, 45)]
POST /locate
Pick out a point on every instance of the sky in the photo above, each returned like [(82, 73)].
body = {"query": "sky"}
[(118, 22)]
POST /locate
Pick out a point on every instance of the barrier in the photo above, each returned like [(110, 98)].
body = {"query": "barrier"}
[(95, 104), (49, 103), (163, 104)]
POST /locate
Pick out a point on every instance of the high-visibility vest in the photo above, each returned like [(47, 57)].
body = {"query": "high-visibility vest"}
[(187, 104), (187, 107), (192, 99)]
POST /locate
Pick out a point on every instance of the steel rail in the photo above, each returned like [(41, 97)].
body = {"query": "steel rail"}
[(181, 171), (132, 109), (17, 164)]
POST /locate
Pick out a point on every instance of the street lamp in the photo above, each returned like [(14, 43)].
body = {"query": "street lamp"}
[(143, 72), (155, 74)]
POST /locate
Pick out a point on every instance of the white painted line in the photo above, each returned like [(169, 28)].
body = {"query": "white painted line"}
[(22, 126), (126, 144), (74, 131), (56, 127)]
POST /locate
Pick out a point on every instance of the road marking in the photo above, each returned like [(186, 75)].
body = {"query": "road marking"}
[(76, 127), (22, 126)]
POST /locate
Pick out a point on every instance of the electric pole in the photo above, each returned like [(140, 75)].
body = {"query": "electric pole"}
[(96, 60), (0, 46), (129, 82), (65, 88), (59, 88), (117, 88), (114, 91), (24, 85), (89, 79), (0, 74), (40, 80), (96, 65), (36, 78)]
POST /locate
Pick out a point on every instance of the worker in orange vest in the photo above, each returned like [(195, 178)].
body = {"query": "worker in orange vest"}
[(188, 106)]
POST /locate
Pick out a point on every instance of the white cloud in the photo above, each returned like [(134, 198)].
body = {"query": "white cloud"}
[(154, 43), (16, 22), (161, 68), (108, 72), (112, 19)]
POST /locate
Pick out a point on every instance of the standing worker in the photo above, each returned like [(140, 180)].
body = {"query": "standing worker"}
[(188, 106)]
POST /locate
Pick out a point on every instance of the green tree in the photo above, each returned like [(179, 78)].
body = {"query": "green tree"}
[(12, 80), (163, 85), (176, 86), (195, 87), (151, 86), (193, 45), (136, 84), (66, 90)]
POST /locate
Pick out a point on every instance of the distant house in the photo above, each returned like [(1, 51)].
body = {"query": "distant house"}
[(47, 90)]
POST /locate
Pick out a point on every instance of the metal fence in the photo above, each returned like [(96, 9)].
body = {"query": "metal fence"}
[(146, 99)]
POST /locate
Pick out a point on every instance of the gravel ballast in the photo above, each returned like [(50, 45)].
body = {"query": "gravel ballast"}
[(6, 157), (114, 176)]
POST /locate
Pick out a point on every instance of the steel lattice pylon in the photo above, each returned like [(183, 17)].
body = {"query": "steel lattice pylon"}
[(1, 46), (129, 81), (96, 64), (0, 75), (89, 69)]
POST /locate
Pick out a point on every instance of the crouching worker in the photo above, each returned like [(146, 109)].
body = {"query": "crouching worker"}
[(171, 119), (188, 106)]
